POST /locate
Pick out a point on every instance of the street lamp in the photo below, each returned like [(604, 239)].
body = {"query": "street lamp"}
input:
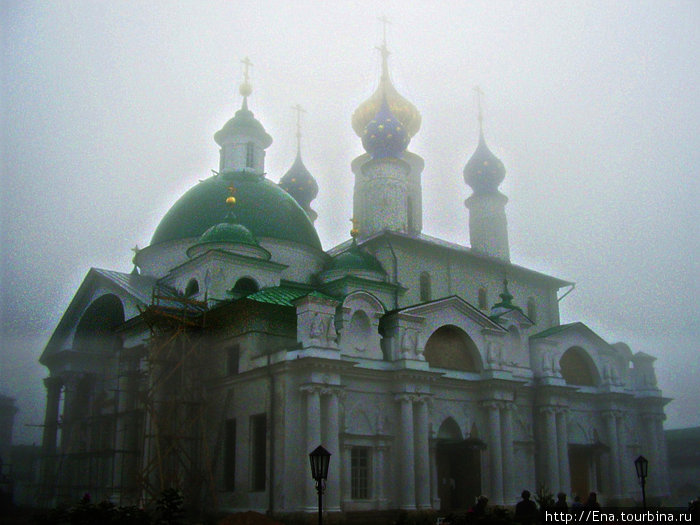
[(320, 458), (642, 466)]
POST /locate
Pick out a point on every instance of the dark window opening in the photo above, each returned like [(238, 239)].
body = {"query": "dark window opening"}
[(232, 357), (244, 286), (359, 473), (192, 288), (483, 301), (249, 155), (258, 442), (425, 291), (230, 455), (532, 309)]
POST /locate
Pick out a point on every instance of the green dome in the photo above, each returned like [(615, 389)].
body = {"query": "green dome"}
[(228, 232), (355, 259), (264, 208)]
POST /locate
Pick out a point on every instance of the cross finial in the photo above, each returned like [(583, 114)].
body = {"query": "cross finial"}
[(299, 111), (246, 88), (385, 22), (354, 232), (247, 65), (479, 94), (383, 48)]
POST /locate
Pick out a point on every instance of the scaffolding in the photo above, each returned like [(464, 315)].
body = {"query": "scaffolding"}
[(173, 399), (156, 431)]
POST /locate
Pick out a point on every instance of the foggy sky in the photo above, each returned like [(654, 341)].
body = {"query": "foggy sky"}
[(109, 111)]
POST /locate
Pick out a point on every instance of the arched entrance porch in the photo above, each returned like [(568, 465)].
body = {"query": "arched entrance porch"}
[(458, 467)]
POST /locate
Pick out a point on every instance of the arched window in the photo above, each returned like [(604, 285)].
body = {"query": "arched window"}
[(245, 286), (532, 309), (483, 301), (192, 288), (95, 331), (577, 367), (451, 347), (360, 330), (425, 286), (250, 155)]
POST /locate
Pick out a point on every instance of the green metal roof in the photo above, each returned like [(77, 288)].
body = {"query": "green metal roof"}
[(261, 206), (285, 295), (554, 330), (228, 232), (355, 258)]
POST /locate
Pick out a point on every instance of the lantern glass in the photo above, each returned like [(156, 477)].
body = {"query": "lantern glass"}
[(641, 464), (320, 459)]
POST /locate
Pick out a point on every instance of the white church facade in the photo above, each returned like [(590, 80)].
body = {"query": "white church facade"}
[(431, 371)]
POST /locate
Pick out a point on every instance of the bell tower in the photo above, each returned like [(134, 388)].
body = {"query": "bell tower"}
[(484, 172)]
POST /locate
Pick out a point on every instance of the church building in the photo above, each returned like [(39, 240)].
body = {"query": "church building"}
[(433, 372)]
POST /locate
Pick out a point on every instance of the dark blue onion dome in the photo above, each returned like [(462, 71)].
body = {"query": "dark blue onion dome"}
[(484, 171), (384, 136), (300, 184)]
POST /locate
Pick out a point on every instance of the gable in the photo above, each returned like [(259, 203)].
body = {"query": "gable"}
[(132, 291)]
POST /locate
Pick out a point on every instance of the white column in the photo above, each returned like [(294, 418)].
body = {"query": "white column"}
[(623, 462), (332, 424), (563, 453), (422, 454), (663, 455), (407, 497), (434, 496), (611, 429), (495, 453), (345, 464), (48, 445), (508, 461), (551, 449), (652, 454), (313, 439), (380, 476)]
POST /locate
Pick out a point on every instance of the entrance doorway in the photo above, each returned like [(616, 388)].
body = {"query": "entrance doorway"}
[(459, 473)]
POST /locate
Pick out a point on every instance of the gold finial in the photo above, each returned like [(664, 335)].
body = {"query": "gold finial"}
[(354, 232), (246, 89), (479, 94), (299, 111), (231, 200)]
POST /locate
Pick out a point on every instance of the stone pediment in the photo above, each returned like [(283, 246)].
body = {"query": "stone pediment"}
[(453, 306), (132, 290), (568, 333)]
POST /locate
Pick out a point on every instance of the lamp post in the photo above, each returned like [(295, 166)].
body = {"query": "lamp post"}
[(320, 458), (641, 464)]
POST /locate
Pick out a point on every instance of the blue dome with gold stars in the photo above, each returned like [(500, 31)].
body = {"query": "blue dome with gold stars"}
[(299, 183), (484, 171), (384, 135)]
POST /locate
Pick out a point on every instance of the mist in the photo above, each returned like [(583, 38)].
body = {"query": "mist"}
[(109, 111)]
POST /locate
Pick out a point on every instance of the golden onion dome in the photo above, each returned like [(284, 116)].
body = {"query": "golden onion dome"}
[(402, 109)]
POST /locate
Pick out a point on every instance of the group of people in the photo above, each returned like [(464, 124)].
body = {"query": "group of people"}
[(527, 508)]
